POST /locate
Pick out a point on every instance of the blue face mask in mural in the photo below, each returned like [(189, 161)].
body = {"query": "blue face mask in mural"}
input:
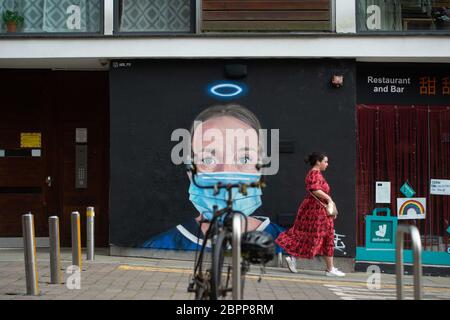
[(204, 199)]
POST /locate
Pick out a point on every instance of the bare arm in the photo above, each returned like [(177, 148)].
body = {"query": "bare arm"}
[(322, 195)]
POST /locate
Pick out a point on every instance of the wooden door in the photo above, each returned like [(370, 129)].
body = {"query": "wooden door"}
[(83, 101), (23, 151), (40, 112)]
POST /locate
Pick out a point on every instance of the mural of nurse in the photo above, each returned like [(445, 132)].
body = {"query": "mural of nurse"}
[(226, 148)]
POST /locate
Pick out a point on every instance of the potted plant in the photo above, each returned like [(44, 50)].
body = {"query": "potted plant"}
[(12, 19), (442, 18)]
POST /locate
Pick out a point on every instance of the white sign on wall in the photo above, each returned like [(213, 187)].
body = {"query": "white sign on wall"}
[(382, 192), (81, 135), (440, 187), (411, 208)]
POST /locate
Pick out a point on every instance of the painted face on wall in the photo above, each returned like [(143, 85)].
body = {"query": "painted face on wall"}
[(226, 152), (225, 144)]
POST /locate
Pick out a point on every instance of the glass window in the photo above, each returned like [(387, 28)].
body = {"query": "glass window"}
[(405, 144), (403, 15), (51, 16), (154, 16)]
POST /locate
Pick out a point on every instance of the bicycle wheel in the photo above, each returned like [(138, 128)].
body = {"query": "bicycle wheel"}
[(218, 277)]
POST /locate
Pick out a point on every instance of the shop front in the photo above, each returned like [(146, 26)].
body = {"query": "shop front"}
[(403, 159)]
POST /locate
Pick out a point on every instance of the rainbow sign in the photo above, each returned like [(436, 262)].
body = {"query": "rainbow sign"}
[(411, 208)]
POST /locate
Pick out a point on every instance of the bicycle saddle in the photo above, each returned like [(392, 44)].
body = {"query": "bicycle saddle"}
[(258, 247)]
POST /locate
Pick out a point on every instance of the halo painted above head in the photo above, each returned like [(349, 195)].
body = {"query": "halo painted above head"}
[(225, 90)]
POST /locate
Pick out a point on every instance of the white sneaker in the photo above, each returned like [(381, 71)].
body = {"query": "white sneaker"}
[(334, 273), (291, 263)]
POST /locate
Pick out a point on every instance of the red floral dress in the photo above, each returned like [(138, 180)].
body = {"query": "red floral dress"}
[(313, 230)]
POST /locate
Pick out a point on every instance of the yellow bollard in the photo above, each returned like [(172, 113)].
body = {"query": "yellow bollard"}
[(76, 240)]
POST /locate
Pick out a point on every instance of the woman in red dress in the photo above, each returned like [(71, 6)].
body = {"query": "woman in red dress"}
[(313, 230)]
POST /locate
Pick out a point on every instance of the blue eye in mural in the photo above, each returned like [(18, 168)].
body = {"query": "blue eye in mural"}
[(226, 90)]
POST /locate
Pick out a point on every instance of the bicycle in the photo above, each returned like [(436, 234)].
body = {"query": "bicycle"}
[(224, 233)]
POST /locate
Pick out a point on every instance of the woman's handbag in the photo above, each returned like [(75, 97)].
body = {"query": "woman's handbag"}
[(330, 207)]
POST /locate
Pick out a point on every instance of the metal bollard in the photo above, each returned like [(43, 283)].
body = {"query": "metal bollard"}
[(90, 243), (236, 259), (55, 252), (29, 246), (417, 249), (280, 259), (76, 240)]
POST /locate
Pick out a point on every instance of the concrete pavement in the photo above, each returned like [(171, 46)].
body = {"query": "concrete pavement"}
[(124, 278)]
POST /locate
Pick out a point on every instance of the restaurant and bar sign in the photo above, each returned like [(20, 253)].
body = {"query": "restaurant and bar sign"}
[(407, 83)]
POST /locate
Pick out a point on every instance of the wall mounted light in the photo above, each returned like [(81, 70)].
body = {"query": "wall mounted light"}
[(337, 81)]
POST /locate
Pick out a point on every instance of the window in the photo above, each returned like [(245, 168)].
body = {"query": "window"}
[(154, 16), (407, 143), (403, 15), (51, 16)]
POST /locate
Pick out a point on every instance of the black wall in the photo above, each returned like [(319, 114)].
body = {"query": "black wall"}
[(151, 98)]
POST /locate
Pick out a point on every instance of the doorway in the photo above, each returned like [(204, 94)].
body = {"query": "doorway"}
[(46, 116)]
